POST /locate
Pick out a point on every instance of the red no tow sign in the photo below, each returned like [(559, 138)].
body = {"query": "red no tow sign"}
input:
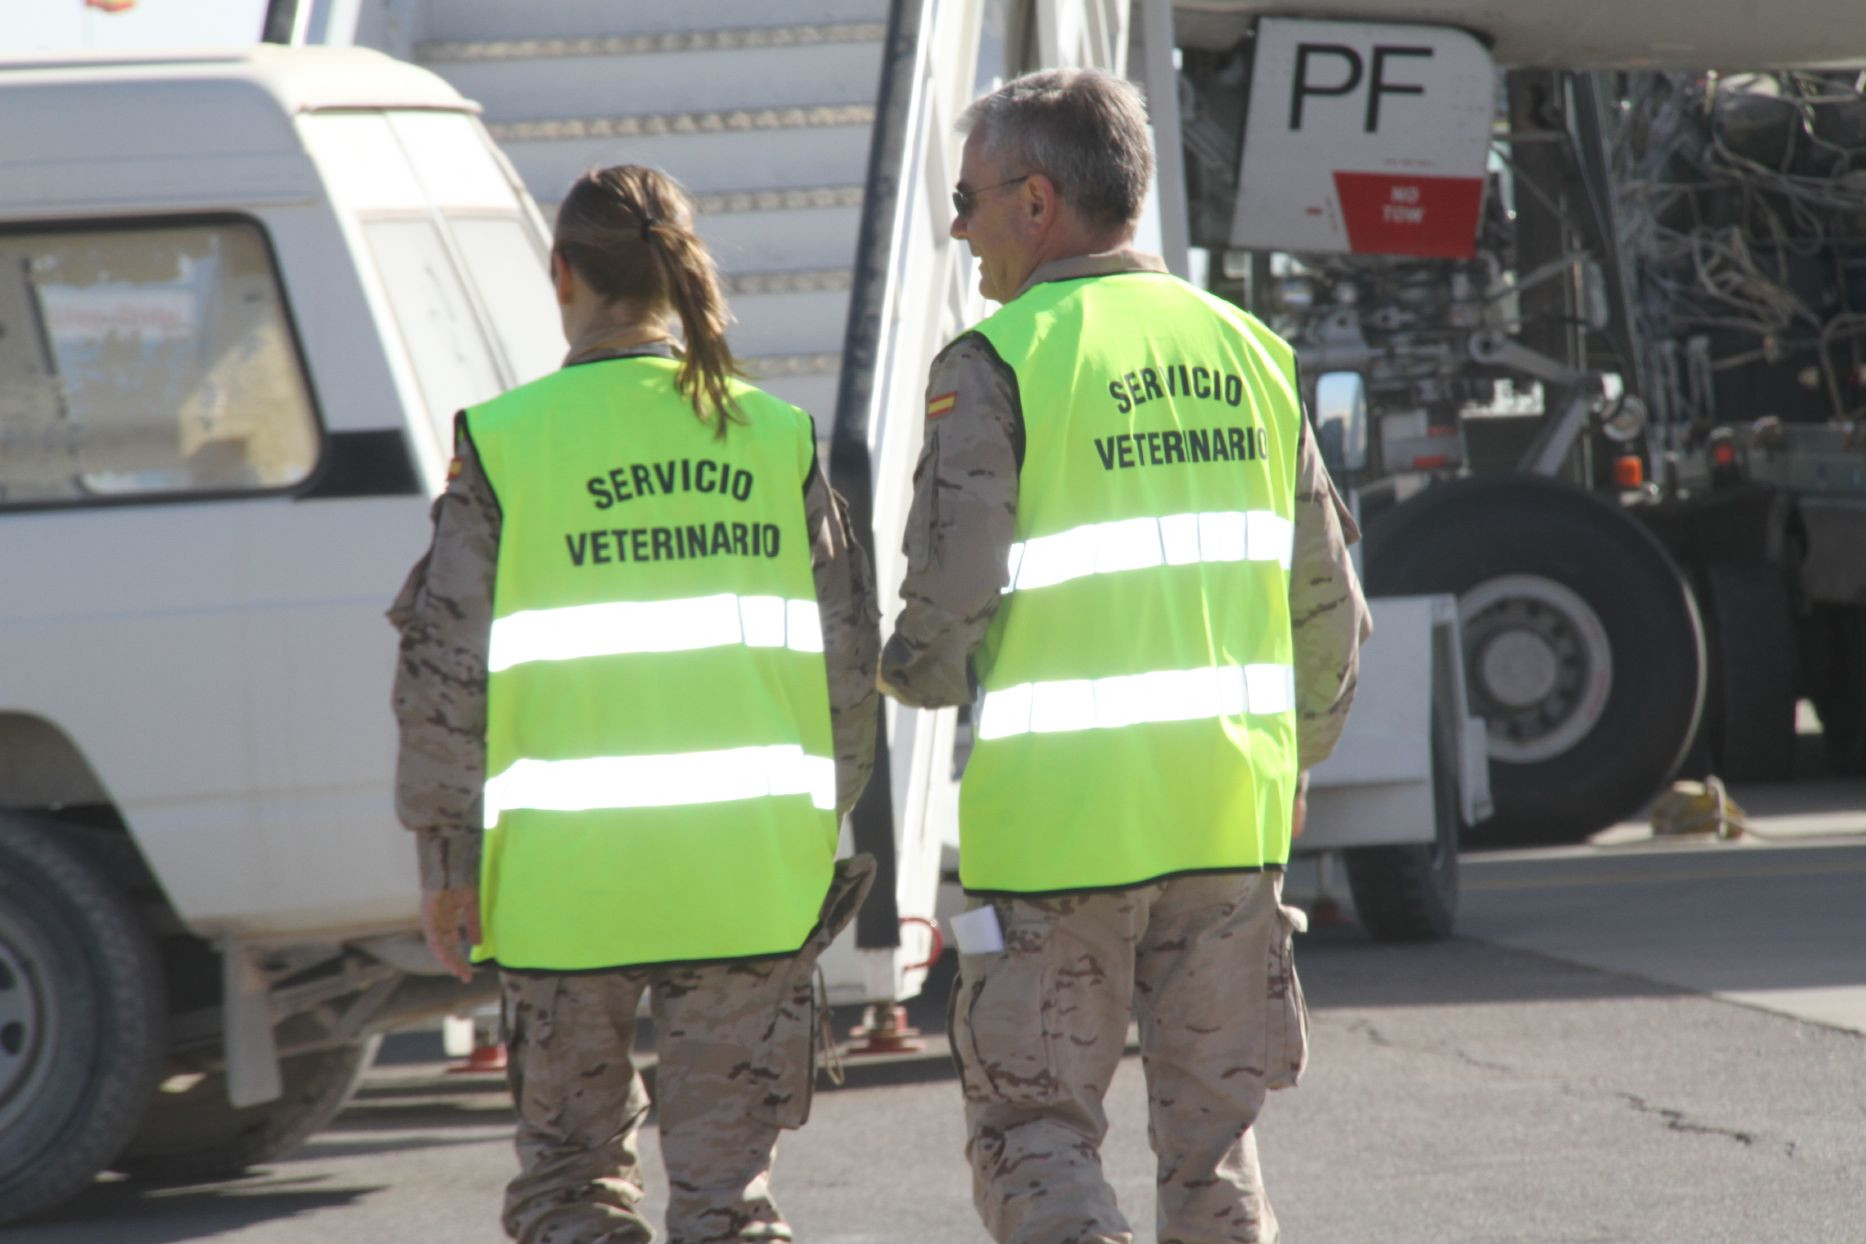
[(1364, 137)]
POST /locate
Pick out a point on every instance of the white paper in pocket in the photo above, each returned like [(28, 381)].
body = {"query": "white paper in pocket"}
[(977, 931)]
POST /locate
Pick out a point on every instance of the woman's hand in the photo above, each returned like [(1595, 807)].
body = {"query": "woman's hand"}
[(450, 922)]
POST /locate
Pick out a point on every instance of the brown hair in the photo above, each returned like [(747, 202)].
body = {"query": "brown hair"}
[(628, 232)]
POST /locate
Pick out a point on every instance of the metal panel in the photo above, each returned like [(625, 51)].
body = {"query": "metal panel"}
[(1587, 34)]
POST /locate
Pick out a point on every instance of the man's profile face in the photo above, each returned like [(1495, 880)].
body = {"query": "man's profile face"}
[(993, 227)]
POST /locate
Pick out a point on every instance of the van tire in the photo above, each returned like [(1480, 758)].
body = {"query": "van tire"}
[(83, 1017), (197, 1134)]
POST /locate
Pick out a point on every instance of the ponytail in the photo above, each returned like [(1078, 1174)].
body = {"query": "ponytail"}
[(693, 285), (628, 232)]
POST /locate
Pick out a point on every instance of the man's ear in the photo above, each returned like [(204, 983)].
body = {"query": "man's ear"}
[(1038, 200)]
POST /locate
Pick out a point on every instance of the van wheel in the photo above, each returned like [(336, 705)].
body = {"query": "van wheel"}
[(83, 1018), (197, 1134)]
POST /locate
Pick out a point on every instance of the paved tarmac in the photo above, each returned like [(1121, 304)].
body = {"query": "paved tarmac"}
[(1632, 1041)]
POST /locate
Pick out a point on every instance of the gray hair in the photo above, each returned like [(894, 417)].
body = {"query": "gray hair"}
[(1084, 130)]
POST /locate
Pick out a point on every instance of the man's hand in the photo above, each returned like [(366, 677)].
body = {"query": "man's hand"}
[(1299, 813), (448, 916)]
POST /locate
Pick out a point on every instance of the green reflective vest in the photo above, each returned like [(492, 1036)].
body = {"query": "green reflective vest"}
[(1138, 713), (660, 773)]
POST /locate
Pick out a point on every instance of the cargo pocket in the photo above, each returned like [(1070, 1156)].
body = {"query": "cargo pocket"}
[(1286, 1021), (786, 1058), (1001, 1016)]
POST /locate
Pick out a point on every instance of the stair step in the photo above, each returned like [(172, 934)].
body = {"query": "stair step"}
[(807, 281), (738, 202), (714, 81), (730, 39), (789, 322), (805, 380), (705, 153), (651, 125), (465, 21), (775, 230), (743, 201), (783, 239)]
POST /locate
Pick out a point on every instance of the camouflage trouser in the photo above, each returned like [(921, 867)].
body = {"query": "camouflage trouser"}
[(1038, 1030), (735, 1054)]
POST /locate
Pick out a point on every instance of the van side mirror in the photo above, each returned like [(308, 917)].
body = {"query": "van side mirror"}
[(1341, 420)]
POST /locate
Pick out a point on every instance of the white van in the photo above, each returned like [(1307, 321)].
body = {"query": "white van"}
[(241, 297)]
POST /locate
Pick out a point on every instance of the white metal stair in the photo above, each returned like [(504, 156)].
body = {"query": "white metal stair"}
[(763, 111)]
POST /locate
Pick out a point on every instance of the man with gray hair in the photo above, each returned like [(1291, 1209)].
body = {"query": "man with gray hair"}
[(1122, 529)]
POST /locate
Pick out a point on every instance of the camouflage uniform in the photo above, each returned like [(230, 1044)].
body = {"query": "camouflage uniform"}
[(579, 1100), (735, 1061), (1203, 961)]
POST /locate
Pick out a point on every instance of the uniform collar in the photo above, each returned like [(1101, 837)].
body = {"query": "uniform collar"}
[(1101, 263), (646, 349)]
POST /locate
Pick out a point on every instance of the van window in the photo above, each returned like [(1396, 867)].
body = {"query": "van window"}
[(514, 284), (451, 360), (147, 359), (462, 265)]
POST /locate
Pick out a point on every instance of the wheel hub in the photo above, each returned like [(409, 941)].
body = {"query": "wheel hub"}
[(1541, 665), (1519, 668), (23, 1018)]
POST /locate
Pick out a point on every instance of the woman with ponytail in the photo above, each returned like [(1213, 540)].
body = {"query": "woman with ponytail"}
[(635, 697)]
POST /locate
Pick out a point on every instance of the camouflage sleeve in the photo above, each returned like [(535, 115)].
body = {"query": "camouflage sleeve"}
[(845, 594), (1326, 609), (444, 614), (960, 526)]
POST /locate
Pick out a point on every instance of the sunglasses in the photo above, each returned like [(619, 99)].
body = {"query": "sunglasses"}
[(963, 201)]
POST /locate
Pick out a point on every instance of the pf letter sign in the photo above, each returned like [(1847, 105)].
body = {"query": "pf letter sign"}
[(1363, 137)]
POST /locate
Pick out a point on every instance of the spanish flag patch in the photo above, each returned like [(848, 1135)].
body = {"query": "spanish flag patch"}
[(937, 406), (454, 469)]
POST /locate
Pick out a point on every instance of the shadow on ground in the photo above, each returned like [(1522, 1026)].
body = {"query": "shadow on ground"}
[(147, 1213)]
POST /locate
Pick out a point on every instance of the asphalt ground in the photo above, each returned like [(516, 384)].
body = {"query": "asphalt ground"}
[(1632, 1040)]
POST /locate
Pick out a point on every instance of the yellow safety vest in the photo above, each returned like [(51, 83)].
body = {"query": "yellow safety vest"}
[(660, 772), (1138, 715)]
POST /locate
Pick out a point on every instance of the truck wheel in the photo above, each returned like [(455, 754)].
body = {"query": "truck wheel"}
[(1837, 684), (1749, 712), (1583, 648), (82, 1018), (198, 1134), (1409, 893)]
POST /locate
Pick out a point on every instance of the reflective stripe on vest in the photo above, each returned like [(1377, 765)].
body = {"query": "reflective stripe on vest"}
[(1140, 543), (620, 627), (1137, 699), (662, 781)]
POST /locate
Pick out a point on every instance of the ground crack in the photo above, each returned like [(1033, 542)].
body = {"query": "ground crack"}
[(1675, 1120), (1366, 1029)]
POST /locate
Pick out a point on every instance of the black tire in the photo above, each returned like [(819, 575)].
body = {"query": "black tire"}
[(1599, 617), (83, 1018), (1837, 684), (1749, 711), (1409, 893), (198, 1134)]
